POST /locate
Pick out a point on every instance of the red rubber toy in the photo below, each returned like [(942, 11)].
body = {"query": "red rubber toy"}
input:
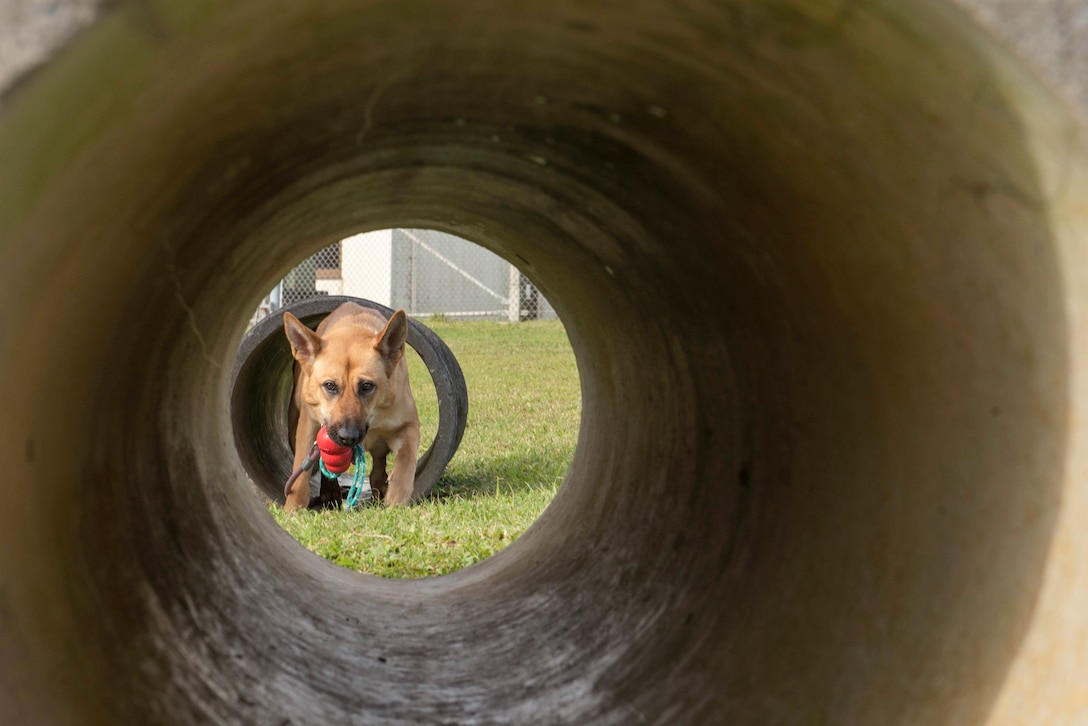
[(337, 458)]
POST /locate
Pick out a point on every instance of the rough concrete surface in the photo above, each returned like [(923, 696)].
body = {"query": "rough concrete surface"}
[(1051, 35), (823, 267), (31, 29)]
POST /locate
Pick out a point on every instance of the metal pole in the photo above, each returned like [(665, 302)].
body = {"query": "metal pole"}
[(513, 306)]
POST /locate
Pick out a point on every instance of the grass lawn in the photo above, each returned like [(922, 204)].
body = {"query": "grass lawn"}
[(523, 417)]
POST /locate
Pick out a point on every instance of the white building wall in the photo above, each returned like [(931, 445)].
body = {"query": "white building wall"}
[(367, 266), (330, 287)]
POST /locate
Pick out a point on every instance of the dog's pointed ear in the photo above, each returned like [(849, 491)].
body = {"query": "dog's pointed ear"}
[(305, 343), (392, 338)]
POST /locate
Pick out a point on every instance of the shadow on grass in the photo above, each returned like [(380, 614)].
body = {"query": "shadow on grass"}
[(507, 475)]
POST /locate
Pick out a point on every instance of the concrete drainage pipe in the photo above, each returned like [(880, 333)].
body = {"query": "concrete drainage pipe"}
[(822, 266)]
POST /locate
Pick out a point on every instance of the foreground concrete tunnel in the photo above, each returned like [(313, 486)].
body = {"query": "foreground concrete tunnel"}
[(824, 267)]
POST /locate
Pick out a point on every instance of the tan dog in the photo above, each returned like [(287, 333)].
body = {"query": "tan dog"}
[(352, 378)]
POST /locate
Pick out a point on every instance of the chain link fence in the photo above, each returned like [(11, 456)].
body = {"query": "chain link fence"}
[(426, 273)]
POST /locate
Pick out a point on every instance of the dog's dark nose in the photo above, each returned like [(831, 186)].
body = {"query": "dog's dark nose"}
[(345, 435)]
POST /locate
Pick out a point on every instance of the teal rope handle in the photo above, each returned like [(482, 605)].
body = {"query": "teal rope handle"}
[(356, 490)]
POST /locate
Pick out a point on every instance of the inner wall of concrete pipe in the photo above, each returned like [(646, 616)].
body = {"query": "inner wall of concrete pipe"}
[(815, 300)]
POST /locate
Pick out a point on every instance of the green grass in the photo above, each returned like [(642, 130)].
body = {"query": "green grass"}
[(524, 408)]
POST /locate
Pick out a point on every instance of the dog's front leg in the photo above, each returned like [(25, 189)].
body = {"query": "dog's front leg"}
[(403, 477), (379, 478), (305, 435)]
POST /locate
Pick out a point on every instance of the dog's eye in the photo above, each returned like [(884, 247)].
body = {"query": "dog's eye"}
[(365, 387), (330, 386)]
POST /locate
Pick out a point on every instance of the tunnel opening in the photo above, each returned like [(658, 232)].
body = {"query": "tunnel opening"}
[(513, 351), (815, 274)]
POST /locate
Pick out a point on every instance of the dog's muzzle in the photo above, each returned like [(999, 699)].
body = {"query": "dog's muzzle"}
[(347, 435)]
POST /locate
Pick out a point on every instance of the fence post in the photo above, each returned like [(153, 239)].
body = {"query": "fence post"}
[(513, 306)]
